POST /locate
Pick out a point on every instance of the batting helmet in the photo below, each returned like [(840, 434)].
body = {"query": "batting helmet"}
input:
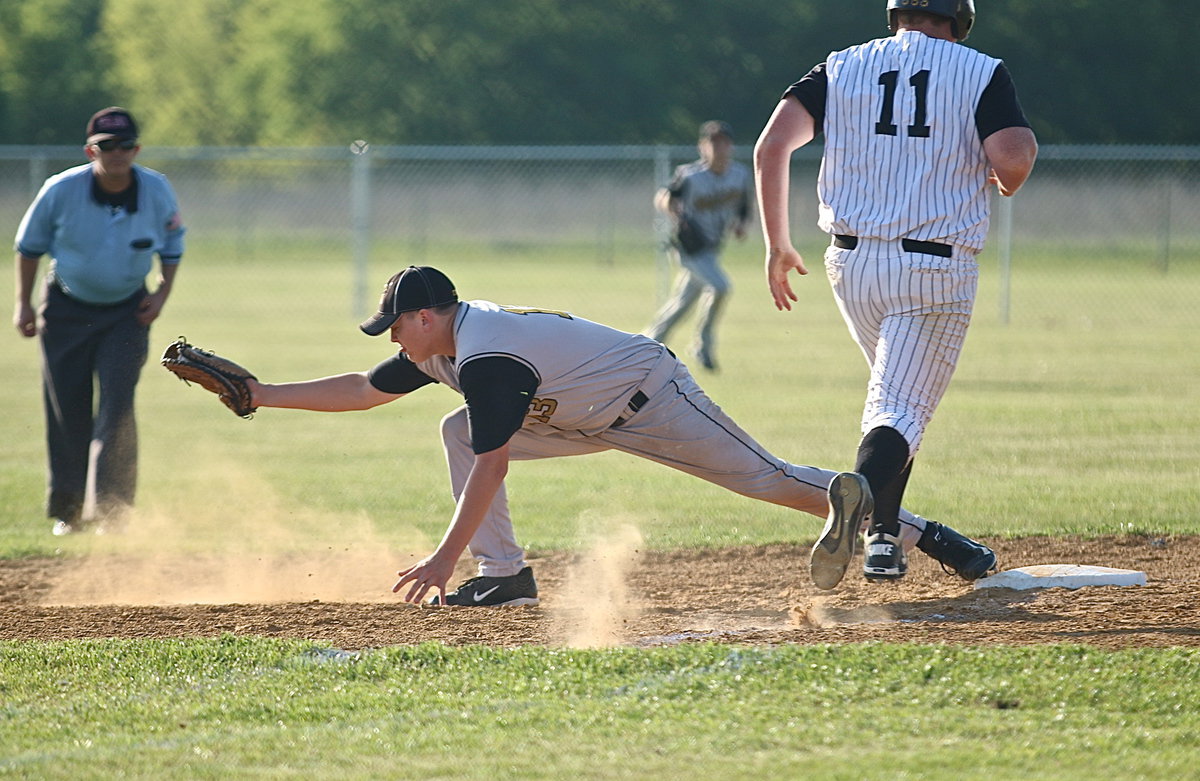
[(961, 13)]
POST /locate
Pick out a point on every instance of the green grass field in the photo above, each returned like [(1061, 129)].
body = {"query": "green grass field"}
[(246, 708), (1076, 417)]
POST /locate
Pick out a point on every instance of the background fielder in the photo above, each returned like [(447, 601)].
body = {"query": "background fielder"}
[(916, 127), (714, 193)]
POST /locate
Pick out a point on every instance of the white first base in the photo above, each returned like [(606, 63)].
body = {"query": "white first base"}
[(1062, 576)]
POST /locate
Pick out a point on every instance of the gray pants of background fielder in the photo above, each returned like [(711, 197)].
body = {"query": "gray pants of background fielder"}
[(700, 279), (678, 426), (82, 346)]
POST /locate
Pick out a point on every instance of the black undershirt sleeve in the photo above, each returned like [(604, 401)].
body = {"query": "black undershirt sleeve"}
[(398, 375), (677, 185), (811, 91), (998, 105), (498, 391)]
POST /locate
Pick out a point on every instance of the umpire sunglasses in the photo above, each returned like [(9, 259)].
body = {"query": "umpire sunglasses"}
[(109, 144)]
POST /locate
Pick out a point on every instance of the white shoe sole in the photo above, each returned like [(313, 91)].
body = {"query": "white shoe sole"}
[(850, 502), (518, 602), (897, 570)]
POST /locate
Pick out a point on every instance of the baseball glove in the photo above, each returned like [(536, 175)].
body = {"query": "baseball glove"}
[(211, 372), (687, 236)]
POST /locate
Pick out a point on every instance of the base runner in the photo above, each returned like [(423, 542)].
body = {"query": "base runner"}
[(916, 129)]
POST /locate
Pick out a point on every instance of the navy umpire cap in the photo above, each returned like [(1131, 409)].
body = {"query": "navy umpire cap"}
[(111, 122), (416, 287)]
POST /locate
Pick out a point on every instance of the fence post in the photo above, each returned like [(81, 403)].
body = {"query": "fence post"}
[(360, 223), (662, 173), (1004, 225), (1164, 225), (37, 173)]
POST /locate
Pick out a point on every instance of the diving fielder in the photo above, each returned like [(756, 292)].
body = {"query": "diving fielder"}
[(916, 128), (540, 384)]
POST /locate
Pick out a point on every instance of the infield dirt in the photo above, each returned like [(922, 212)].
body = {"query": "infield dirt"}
[(613, 595)]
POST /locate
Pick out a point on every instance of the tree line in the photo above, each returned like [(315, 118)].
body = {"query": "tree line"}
[(325, 72)]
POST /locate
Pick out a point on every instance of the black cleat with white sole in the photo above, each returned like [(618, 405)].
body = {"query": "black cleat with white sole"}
[(486, 591), (957, 553)]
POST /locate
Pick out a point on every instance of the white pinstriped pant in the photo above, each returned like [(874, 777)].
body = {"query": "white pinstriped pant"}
[(909, 313)]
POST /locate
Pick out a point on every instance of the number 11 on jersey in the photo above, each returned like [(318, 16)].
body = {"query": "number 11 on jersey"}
[(886, 125)]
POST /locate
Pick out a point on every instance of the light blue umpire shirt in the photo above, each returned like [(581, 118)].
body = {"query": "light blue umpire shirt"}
[(100, 254)]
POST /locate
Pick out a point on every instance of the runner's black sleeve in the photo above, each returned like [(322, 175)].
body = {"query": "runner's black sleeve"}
[(498, 392), (811, 91), (998, 105)]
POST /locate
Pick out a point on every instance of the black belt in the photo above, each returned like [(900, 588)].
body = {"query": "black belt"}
[(56, 285), (909, 245), (636, 403)]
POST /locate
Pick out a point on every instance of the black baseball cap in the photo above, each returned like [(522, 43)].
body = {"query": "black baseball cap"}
[(111, 122), (716, 127), (416, 287)]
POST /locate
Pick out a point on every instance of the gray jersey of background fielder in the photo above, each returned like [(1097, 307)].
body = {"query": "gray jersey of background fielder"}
[(595, 388), (714, 201)]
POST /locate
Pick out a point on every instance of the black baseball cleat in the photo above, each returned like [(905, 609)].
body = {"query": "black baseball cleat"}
[(958, 554), (484, 591), (883, 558), (850, 502)]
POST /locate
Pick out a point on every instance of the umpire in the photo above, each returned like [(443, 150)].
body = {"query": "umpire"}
[(101, 223)]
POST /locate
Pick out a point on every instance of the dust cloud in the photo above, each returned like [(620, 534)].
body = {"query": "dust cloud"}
[(821, 613), (246, 545), (595, 606)]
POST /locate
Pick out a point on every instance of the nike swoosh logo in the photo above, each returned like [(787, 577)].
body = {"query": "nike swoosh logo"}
[(482, 595)]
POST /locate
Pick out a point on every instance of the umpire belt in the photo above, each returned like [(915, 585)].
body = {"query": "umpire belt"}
[(909, 245)]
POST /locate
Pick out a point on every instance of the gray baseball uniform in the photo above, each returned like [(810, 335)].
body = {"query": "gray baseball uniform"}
[(714, 201), (551, 384)]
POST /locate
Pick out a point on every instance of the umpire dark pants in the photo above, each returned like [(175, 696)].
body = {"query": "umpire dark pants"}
[(85, 346)]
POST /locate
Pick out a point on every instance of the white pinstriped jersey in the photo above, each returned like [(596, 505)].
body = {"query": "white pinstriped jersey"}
[(903, 158)]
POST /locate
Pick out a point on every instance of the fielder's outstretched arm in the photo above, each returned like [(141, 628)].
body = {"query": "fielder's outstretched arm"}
[(338, 393)]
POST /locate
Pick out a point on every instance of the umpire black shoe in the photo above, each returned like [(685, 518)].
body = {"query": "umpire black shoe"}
[(883, 558), (958, 554), (484, 591), (850, 502)]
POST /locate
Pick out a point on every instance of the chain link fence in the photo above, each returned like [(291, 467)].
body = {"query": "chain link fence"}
[(1090, 210)]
